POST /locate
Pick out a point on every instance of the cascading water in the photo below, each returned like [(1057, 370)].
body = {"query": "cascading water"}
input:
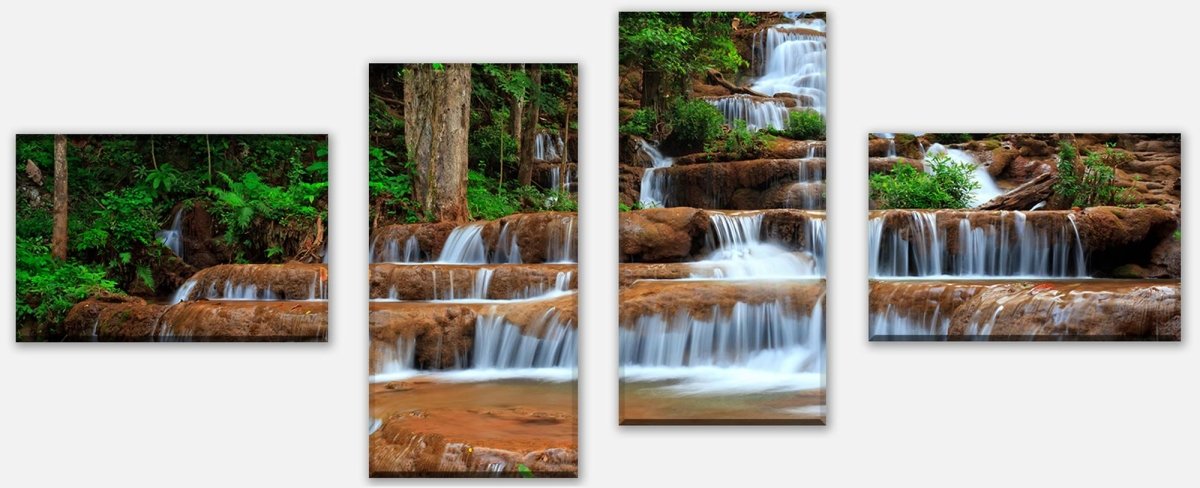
[(172, 238), (654, 186), (758, 114), (547, 147), (792, 60), (738, 251), (464, 246), (500, 349), (912, 243), (749, 347), (987, 185)]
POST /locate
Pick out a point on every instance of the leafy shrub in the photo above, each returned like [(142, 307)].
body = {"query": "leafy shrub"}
[(123, 221), (264, 215), (1095, 185), (695, 123), (643, 123), (805, 125), (487, 200), (391, 183), (740, 142), (47, 288), (949, 184)]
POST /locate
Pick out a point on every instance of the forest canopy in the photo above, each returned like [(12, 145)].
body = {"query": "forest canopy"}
[(520, 128), (244, 199)]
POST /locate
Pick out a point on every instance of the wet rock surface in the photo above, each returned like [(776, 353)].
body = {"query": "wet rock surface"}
[(701, 299), (1031, 309), (290, 281), (129, 319), (434, 281), (431, 428), (444, 332)]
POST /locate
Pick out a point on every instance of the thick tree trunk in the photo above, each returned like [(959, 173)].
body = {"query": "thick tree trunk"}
[(529, 131), (59, 238), (652, 90), (437, 117)]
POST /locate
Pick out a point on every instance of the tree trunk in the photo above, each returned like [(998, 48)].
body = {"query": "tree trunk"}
[(437, 117), (518, 112), (59, 238), (652, 87), (529, 131)]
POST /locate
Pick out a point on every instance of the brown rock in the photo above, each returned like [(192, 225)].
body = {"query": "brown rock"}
[(662, 234)]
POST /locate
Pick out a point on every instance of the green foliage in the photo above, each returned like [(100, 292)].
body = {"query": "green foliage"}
[(678, 44), (487, 144), (524, 471), (47, 288), (748, 19), (643, 123), (695, 123), (249, 205), (391, 182), (124, 220), (1095, 184), (621, 207), (740, 142), (805, 125), (487, 200), (162, 180), (949, 184)]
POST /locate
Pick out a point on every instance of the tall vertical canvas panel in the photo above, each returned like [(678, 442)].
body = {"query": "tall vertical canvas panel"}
[(1024, 237), (473, 270), (722, 222), (171, 237)]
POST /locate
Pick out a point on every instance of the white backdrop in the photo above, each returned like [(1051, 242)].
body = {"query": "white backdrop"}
[(967, 414)]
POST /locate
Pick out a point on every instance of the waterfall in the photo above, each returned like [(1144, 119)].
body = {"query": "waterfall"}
[(464, 246), (184, 291), (987, 186), (738, 252), (402, 358), (654, 186), (507, 248), (993, 244), (815, 150), (891, 140), (172, 238), (560, 243), (499, 344), (793, 61), (547, 147), (758, 114), (390, 251), (749, 347)]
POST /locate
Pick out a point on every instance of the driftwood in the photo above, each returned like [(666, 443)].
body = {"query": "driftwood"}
[(715, 76), (1024, 197)]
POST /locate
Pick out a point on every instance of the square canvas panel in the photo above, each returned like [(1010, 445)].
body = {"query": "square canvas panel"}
[(473, 270), (1023, 237), (722, 222), (172, 237)]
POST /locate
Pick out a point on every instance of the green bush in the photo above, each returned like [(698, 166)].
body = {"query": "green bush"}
[(263, 215), (805, 125), (740, 142), (643, 123), (695, 123), (47, 288), (949, 184), (1095, 185), (488, 200)]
